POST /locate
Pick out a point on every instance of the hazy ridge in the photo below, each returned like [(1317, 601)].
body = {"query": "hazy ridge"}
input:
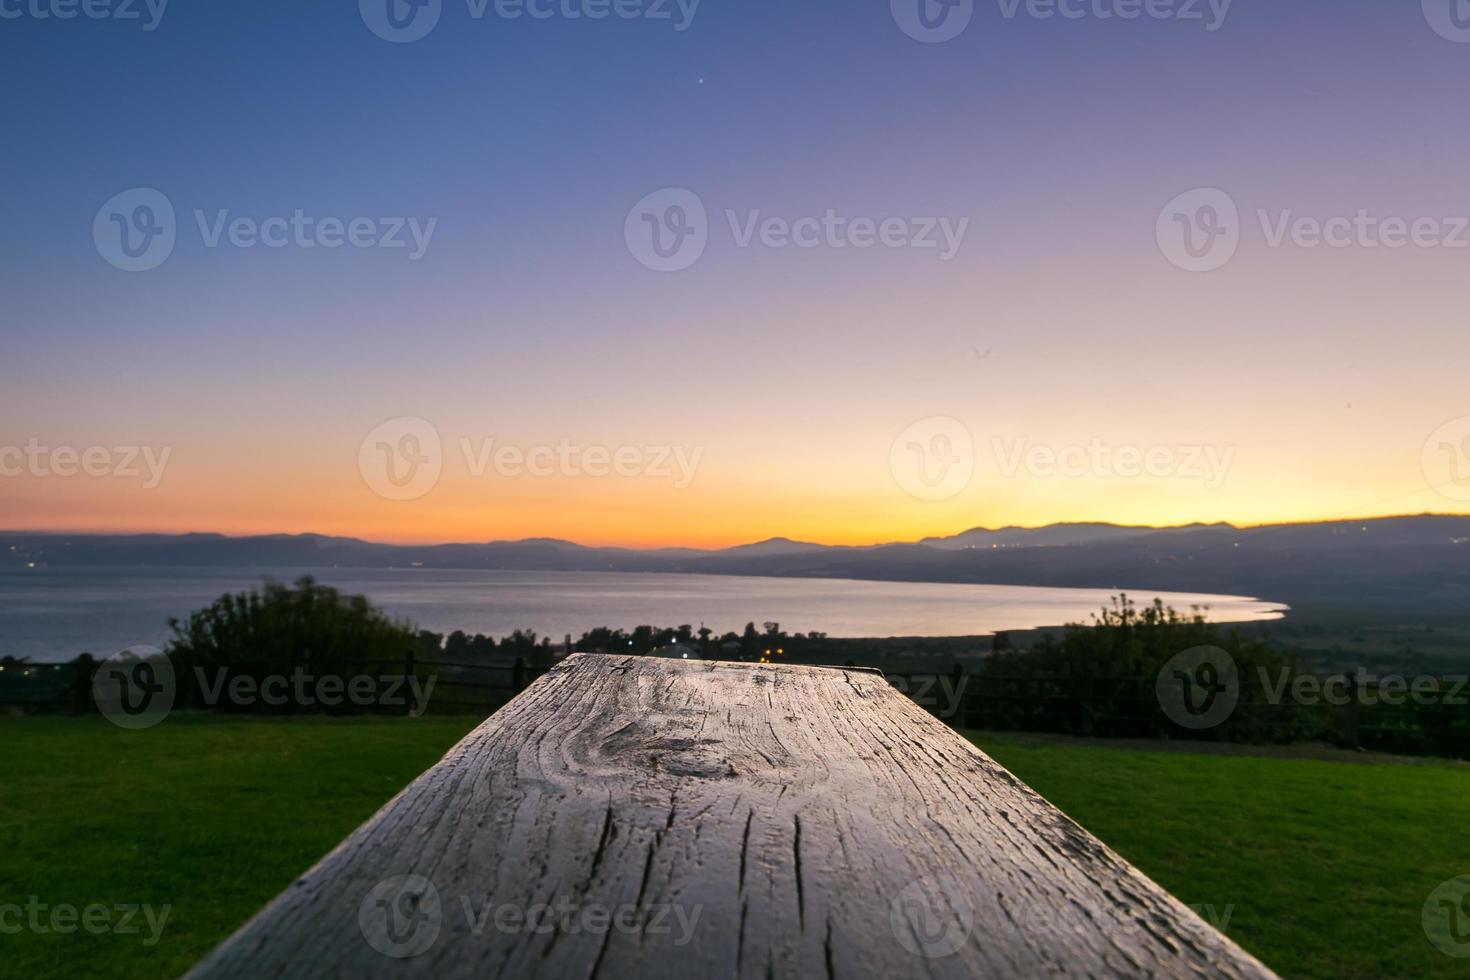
[(1420, 561)]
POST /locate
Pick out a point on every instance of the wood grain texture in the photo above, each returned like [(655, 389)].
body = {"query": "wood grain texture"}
[(734, 820)]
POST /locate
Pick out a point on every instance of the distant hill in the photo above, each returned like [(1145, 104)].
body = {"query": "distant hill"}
[(769, 548), (1055, 535), (1390, 563)]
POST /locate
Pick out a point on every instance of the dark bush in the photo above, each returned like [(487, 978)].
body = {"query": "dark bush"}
[(308, 629)]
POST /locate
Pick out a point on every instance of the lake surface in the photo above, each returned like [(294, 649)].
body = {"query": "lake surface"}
[(55, 614)]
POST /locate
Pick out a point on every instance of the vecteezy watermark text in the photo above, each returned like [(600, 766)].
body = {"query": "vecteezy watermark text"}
[(940, 694), (403, 916), (148, 13), (303, 689), (568, 459), (1210, 14), (1365, 688), (405, 21), (403, 459), (935, 459), (96, 919), (832, 230), (669, 230), (1211, 464), (138, 688), (305, 231), (137, 230), (144, 463), (1201, 688), (1201, 230), (937, 21)]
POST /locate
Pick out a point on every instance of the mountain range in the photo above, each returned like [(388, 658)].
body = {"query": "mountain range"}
[(1402, 562)]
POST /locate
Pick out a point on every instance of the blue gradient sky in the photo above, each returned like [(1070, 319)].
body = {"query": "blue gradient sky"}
[(528, 321)]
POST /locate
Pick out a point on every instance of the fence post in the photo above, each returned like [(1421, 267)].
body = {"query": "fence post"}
[(1350, 739), (957, 691), (518, 675), (979, 719), (81, 685), (408, 672), (1085, 697)]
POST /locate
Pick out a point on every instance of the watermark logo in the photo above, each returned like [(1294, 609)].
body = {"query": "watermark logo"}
[(401, 21), (1446, 459), (135, 231), (135, 688), (1199, 231), (933, 459), (1199, 688), (933, 21), (401, 916), (402, 459), (932, 917), (668, 230), (1450, 19), (1446, 917)]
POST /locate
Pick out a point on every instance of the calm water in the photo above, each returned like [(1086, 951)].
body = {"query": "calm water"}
[(54, 614)]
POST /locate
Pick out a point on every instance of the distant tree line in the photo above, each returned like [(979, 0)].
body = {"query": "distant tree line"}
[(1100, 678), (768, 643)]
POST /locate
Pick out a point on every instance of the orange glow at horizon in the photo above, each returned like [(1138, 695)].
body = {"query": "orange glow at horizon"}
[(717, 510), (808, 452)]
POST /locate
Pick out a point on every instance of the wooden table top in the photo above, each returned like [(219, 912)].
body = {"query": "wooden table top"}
[(646, 818)]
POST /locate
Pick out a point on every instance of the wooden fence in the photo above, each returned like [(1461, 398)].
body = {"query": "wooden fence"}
[(1358, 716)]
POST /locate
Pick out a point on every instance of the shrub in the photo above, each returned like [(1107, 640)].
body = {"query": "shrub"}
[(282, 630), (1099, 678)]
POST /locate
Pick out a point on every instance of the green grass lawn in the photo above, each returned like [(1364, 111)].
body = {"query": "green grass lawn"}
[(1325, 866), (212, 816), (1322, 866)]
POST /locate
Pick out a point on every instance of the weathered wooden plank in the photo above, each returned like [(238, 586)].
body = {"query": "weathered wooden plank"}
[(689, 820)]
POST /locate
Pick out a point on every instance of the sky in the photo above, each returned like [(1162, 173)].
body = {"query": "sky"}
[(1203, 263)]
